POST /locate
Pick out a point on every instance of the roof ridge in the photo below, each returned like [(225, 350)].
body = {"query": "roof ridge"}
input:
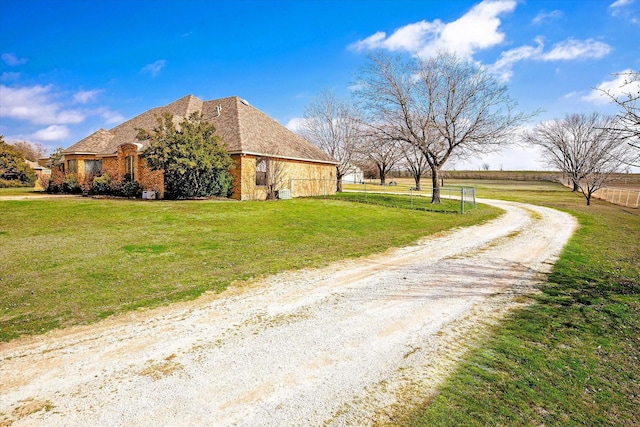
[(242, 127)]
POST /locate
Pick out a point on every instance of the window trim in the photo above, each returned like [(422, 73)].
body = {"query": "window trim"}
[(130, 166), (261, 171)]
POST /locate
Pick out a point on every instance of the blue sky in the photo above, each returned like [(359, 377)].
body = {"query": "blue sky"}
[(70, 67)]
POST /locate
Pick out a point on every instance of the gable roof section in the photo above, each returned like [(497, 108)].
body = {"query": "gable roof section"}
[(97, 142), (245, 129), (242, 127)]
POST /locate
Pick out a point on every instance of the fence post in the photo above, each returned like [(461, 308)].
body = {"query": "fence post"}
[(411, 196), (638, 199), (462, 200)]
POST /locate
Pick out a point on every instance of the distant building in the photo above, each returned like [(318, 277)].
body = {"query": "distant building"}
[(355, 175), (43, 173)]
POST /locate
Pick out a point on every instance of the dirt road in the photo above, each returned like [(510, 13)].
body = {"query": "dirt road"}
[(342, 345)]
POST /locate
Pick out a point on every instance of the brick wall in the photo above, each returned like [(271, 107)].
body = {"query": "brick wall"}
[(151, 180), (302, 178)]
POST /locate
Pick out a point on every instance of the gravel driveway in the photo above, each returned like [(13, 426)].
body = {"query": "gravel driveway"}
[(343, 345)]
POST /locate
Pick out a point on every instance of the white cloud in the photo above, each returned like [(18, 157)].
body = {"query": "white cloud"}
[(35, 104), (547, 16), (618, 87), (295, 124), (110, 117), (577, 49), (571, 95), (570, 49), (9, 76), (477, 29), (374, 41), (154, 68), (619, 9), (51, 133), (414, 37), (503, 67), (12, 60), (620, 3), (44, 106), (85, 96)]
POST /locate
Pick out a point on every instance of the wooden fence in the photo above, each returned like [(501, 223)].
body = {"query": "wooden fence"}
[(628, 197)]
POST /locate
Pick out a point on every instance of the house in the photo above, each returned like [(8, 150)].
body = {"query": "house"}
[(354, 175), (255, 141), (43, 173)]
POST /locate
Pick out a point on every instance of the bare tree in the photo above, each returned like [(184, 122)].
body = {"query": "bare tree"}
[(384, 153), (270, 173), (333, 126), (627, 122), (447, 107), (415, 161), (584, 147), (31, 151)]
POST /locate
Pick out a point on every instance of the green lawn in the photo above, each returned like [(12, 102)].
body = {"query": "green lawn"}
[(404, 201), (570, 358), (573, 357), (69, 261)]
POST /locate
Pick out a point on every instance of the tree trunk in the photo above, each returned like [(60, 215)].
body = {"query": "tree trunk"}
[(575, 186), (435, 181), (339, 183), (382, 175), (416, 178)]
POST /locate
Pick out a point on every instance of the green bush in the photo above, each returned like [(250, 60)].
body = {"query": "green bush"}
[(130, 189), (102, 185), (194, 161), (14, 168), (12, 183), (71, 184)]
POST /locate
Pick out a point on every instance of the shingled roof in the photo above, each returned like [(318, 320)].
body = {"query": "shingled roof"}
[(242, 127)]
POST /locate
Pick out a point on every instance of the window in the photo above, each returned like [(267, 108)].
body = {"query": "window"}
[(261, 171), (129, 167), (92, 167), (73, 166)]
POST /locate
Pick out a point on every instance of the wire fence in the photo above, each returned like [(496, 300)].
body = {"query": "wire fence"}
[(458, 199), (308, 187), (454, 199)]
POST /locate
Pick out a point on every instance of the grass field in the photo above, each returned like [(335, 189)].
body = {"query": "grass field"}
[(404, 201), (70, 261), (570, 358), (573, 357)]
